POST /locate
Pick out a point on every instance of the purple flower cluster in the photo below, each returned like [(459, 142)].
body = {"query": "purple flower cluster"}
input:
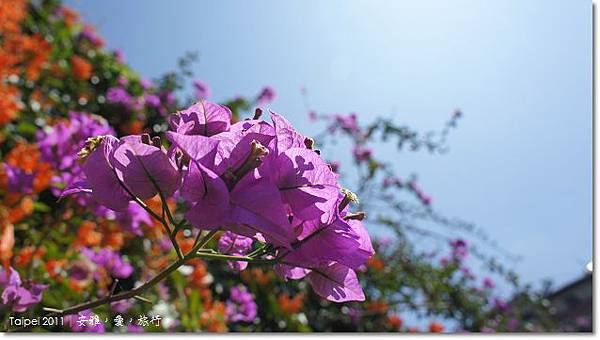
[(348, 123), (89, 33), (19, 180), (240, 306), (258, 180), (266, 96), (110, 261), (60, 143), (362, 154), (18, 295), (459, 249), (202, 89), (119, 96), (132, 218), (421, 195), (233, 244)]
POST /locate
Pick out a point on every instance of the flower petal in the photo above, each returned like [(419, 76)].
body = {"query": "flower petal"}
[(336, 282)]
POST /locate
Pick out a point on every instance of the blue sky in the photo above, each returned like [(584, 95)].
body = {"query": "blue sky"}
[(520, 164)]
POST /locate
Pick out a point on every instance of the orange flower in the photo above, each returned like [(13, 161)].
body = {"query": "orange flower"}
[(69, 15), (394, 321), (43, 177), (54, 267), (8, 103), (375, 263), (290, 306), (7, 242), (113, 236), (24, 156), (25, 208), (12, 13), (213, 318), (155, 205), (37, 50), (87, 235), (197, 278), (379, 306), (257, 275), (435, 327), (135, 127), (24, 256), (82, 69)]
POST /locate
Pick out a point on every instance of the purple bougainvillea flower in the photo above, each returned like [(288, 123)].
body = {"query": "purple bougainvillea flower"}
[(233, 244), (115, 168), (202, 89), (261, 181), (362, 154), (348, 123), (334, 241), (19, 180), (119, 96), (365, 248), (60, 144), (89, 33), (21, 297), (146, 84), (18, 295), (145, 168), (306, 183), (500, 304), (336, 282), (287, 136), (100, 177), (81, 270), (133, 218), (9, 278), (152, 100), (120, 56), (110, 261), (266, 96), (256, 208), (121, 306), (459, 249), (240, 306), (252, 208), (203, 118), (488, 283)]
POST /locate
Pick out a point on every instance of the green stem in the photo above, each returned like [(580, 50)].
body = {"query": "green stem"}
[(224, 257)]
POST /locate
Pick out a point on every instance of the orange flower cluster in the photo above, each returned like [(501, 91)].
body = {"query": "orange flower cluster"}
[(290, 305), (258, 276), (70, 16), (15, 206), (21, 55), (394, 321), (26, 254), (435, 327), (7, 242), (103, 233), (375, 263), (378, 306), (213, 317), (82, 69)]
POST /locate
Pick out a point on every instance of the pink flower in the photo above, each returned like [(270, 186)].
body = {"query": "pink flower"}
[(202, 89), (488, 283), (266, 96)]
